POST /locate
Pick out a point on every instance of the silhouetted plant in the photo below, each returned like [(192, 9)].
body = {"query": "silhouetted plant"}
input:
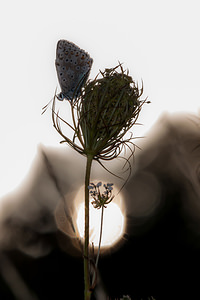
[(105, 111)]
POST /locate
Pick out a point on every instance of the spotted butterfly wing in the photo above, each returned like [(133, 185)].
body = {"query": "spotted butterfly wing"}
[(73, 66)]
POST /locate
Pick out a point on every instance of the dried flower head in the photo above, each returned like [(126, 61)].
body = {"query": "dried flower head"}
[(107, 108), (110, 106)]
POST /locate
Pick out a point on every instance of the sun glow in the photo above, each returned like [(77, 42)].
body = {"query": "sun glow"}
[(113, 224)]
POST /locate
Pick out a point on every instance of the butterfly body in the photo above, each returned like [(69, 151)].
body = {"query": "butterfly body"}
[(73, 66)]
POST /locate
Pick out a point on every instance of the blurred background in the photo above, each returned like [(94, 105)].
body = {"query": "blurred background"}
[(158, 42)]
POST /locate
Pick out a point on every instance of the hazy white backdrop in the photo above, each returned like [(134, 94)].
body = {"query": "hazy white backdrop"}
[(158, 41)]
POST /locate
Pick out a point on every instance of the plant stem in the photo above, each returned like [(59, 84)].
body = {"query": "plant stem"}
[(100, 237), (99, 247), (87, 292)]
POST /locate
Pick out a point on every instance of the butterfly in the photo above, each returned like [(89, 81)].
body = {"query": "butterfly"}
[(73, 66)]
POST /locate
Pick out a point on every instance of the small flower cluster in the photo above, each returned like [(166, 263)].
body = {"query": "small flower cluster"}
[(101, 199)]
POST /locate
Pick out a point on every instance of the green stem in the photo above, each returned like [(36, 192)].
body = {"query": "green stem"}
[(87, 292)]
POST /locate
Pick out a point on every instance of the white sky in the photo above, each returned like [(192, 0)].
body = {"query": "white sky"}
[(157, 40)]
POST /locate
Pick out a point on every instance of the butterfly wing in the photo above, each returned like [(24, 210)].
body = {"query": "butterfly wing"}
[(73, 66)]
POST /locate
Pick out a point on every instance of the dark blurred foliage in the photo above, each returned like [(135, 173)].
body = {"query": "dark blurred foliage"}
[(160, 254)]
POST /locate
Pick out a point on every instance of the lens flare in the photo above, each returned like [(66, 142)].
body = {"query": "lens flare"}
[(113, 224)]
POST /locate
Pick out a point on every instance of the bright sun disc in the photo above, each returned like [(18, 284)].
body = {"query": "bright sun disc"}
[(113, 224)]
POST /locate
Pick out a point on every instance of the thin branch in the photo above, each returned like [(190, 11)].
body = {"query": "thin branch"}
[(99, 248)]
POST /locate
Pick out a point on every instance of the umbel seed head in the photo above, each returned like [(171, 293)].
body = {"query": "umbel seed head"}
[(106, 109), (109, 106)]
